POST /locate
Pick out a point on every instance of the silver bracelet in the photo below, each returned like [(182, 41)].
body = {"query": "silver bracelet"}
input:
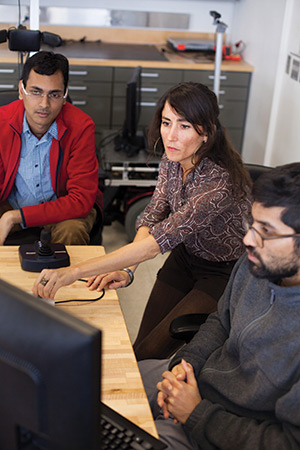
[(131, 276)]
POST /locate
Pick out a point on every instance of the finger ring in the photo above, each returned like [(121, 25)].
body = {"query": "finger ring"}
[(44, 281)]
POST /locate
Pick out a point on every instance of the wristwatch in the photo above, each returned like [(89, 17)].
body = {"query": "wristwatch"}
[(131, 276)]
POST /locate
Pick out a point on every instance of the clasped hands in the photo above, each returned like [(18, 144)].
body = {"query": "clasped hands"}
[(178, 392)]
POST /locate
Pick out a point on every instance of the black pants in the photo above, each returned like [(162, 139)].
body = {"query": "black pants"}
[(184, 285)]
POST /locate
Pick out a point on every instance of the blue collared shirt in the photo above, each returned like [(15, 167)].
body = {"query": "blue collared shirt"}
[(33, 180)]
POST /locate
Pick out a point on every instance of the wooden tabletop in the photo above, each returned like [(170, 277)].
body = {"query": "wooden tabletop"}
[(122, 387)]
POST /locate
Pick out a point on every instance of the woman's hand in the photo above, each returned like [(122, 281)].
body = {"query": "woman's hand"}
[(49, 281), (112, 280), (178, 397)]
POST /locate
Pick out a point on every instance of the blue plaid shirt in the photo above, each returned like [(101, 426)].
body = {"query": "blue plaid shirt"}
[(33, 180)]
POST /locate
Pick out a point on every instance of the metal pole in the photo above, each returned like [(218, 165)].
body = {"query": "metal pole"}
[(218, 62), (221, 28), (34, 14)]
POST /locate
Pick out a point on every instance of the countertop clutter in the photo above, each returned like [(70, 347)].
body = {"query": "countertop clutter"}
[(118, 47)]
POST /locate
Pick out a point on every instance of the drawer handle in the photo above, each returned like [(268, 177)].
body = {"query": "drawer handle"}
[(149, 75), (78, 72), (148, 104), (222, 77), (7, 71), (79, 102), (7, 86), (221, 106), (77, 88), (149, 90), (222, 92)]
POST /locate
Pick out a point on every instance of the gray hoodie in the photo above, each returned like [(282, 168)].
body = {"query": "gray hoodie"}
[(246, 358)]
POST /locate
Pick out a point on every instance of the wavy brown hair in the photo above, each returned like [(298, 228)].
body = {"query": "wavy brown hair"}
[(198, 105)]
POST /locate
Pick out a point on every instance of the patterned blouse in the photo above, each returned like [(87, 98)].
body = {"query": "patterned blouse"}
[(202, 213)]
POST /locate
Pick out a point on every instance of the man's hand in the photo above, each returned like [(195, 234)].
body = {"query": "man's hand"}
[(176, 396), (7, 221)]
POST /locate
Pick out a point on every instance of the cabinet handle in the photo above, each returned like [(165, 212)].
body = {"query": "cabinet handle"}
[(77, 88), (149, 75), (149, 89), (79, 102), (148, 104), (7, 86), (222, 92), (78, 72), (222, 77), (221, 106), (7, 70)]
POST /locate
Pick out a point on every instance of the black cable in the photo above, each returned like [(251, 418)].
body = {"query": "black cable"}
[(84, 299)]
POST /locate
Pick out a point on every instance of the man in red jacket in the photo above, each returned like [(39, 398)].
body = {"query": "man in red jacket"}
[(48, 164)]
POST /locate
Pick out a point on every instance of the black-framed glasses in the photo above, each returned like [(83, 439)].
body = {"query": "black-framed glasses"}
[(34, 93), (259, 237)]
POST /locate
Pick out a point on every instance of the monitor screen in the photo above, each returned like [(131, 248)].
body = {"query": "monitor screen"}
[(129, 140), (49, 376)]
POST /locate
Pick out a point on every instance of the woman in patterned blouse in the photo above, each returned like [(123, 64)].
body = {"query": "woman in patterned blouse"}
[(196, 212)]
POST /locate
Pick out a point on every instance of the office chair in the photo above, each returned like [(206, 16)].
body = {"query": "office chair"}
[(186, 326)]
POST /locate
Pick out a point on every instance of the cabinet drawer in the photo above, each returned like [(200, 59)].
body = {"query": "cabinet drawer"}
[(119, 108), (84, 88), (96, 108), (236, 138), (227, 78), (90, 73), (9, 77), (232, 114), (153, 76), (148, 93), (149, 76)]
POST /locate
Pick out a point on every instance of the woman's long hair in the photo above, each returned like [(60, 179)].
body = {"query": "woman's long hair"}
[(198, 105)]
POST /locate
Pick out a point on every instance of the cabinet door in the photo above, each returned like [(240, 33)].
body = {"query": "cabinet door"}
[(233, 99), (9, 77), (90, 89), (154, 83)]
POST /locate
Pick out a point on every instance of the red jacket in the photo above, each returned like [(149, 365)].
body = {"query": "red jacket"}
[(73, 165)]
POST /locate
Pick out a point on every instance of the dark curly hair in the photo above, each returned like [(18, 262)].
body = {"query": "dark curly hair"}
[(281, 187)]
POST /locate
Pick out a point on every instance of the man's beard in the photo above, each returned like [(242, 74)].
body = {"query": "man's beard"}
[(278, 271)]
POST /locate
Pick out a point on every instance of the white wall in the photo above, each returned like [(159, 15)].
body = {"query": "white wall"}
[(284, 131), (259, 24), (199, 10)]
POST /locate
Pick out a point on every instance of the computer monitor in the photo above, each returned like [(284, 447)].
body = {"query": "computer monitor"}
[(129, 140), (49, 376)]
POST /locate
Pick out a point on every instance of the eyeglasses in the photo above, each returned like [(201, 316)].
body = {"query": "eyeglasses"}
[(34, 93), (259, 237)]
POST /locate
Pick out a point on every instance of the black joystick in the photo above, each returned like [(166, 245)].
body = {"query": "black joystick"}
[(43, 247), (43, 255)]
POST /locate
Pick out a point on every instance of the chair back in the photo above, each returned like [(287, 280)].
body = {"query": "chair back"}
[(256, 170)]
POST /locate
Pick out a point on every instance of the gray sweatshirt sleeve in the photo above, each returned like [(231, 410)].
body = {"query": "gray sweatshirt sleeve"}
[(212, 427)]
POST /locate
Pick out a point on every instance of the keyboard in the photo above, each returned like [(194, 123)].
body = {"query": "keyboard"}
[(119, 433)]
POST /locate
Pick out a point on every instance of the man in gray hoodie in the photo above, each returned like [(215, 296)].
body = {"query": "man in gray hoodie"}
[(236, 385)]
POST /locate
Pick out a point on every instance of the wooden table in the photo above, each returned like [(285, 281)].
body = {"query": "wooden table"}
[(122, 387)]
